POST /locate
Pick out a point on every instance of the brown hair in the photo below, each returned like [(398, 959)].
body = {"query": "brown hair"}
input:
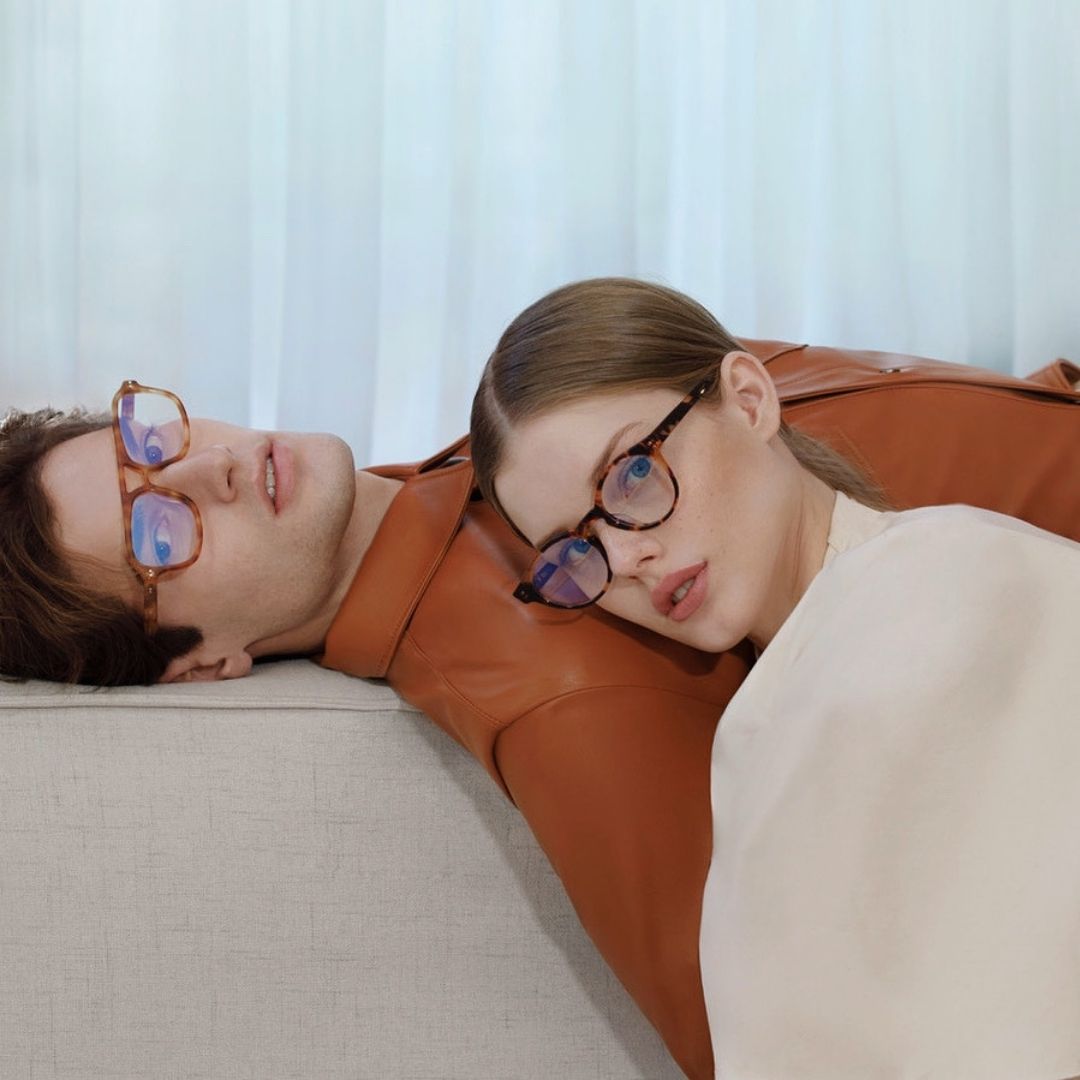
[(609, 333), (51, 625)]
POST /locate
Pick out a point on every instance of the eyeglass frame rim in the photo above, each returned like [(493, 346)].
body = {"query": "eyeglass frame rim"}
[(149, 576), (526, 592)]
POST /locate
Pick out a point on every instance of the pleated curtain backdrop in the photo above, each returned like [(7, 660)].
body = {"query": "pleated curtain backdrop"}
[(319, 215)]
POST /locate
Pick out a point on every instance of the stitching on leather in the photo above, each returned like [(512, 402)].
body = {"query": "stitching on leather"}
[(1036, 395), (783, 352)]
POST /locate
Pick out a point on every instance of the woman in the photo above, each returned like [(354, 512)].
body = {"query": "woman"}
[(895, 882)]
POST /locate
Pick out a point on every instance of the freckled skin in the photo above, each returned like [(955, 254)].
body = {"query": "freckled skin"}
[(746, 507)]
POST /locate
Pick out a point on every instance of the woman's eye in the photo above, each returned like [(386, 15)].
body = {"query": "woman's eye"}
[(574, 551), (633, 472)]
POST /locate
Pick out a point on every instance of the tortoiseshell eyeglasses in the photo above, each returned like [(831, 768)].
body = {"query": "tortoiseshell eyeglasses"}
[(162, 527), (637, 491)]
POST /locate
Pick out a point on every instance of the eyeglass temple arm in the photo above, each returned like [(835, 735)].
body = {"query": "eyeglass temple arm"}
[(150, 606), (667, 425)]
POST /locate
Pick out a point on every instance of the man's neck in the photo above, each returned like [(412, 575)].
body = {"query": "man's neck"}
[(374, 494)]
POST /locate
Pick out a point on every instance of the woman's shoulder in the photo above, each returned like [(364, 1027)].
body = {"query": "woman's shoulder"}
[(935, 587), (932, 594), (957, 565), (955, 575), (961, 522), (965, 541)]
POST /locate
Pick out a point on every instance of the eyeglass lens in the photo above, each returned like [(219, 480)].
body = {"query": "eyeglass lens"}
[(570, 572), (164, 532), (637, 490), (151, 427)]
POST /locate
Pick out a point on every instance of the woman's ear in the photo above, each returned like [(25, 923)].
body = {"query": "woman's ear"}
[(747, 387)]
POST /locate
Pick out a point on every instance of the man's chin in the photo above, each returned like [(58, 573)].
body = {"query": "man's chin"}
[(338, 448), (325, 472)]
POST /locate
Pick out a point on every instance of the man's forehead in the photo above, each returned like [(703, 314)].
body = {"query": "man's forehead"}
[(79, 478), (80, 481), (93, 448)]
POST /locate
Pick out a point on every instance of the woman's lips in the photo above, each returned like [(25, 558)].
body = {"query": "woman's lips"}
[(663, 595), (692, 600)]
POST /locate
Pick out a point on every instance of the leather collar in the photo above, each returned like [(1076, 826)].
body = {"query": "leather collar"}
[(419, 526)]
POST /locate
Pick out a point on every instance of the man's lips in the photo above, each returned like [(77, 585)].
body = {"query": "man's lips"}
[(259, 482), (284, 474), (662, 595), (279, 454)]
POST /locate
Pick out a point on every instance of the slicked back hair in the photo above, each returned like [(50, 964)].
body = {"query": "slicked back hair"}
[(608, 334)]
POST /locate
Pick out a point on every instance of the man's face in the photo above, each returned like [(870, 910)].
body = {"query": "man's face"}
[(269, 577)]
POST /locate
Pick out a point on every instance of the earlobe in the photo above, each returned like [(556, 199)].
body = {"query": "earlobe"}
[(185, 670), (193, 668), (748, 387)]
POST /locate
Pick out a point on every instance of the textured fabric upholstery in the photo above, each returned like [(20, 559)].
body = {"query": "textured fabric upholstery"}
[(293, 875)]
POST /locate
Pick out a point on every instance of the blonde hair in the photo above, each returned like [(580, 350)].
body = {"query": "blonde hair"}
[(616, 333)]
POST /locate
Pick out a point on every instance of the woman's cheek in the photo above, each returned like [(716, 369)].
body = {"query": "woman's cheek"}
[(631, 609)]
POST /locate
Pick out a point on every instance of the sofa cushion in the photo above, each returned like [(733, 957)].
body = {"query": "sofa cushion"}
[(290, 875)]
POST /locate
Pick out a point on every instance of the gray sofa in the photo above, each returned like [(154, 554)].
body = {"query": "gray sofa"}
[(294, 876)]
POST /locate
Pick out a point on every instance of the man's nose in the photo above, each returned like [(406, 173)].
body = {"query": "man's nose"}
[(628, 550), (209, 474)]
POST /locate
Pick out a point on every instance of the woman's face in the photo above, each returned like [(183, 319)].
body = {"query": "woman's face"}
[(738, 535)]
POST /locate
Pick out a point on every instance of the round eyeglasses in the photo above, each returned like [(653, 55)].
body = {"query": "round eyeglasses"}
[(636, 491), (162, 527)]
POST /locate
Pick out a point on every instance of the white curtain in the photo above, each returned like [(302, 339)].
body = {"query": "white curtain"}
[(319, 214)]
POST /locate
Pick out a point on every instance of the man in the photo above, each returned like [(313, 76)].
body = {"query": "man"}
[(268, 584), (598, 732)]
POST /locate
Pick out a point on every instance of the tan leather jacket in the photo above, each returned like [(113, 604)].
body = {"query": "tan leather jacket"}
[(600, 732)]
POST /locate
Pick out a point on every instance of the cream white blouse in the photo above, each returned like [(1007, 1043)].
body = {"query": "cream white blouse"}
[(895, 882)]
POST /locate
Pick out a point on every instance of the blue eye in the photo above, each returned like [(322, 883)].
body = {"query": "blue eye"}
[(632, 473), (145, 443), (163, 540), (573, 551), (152, 451), (151, 534)]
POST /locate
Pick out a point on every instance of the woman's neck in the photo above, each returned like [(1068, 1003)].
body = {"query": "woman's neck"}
[(812, 513)]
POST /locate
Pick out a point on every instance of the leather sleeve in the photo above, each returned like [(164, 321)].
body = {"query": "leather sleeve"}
[(613, 782)]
